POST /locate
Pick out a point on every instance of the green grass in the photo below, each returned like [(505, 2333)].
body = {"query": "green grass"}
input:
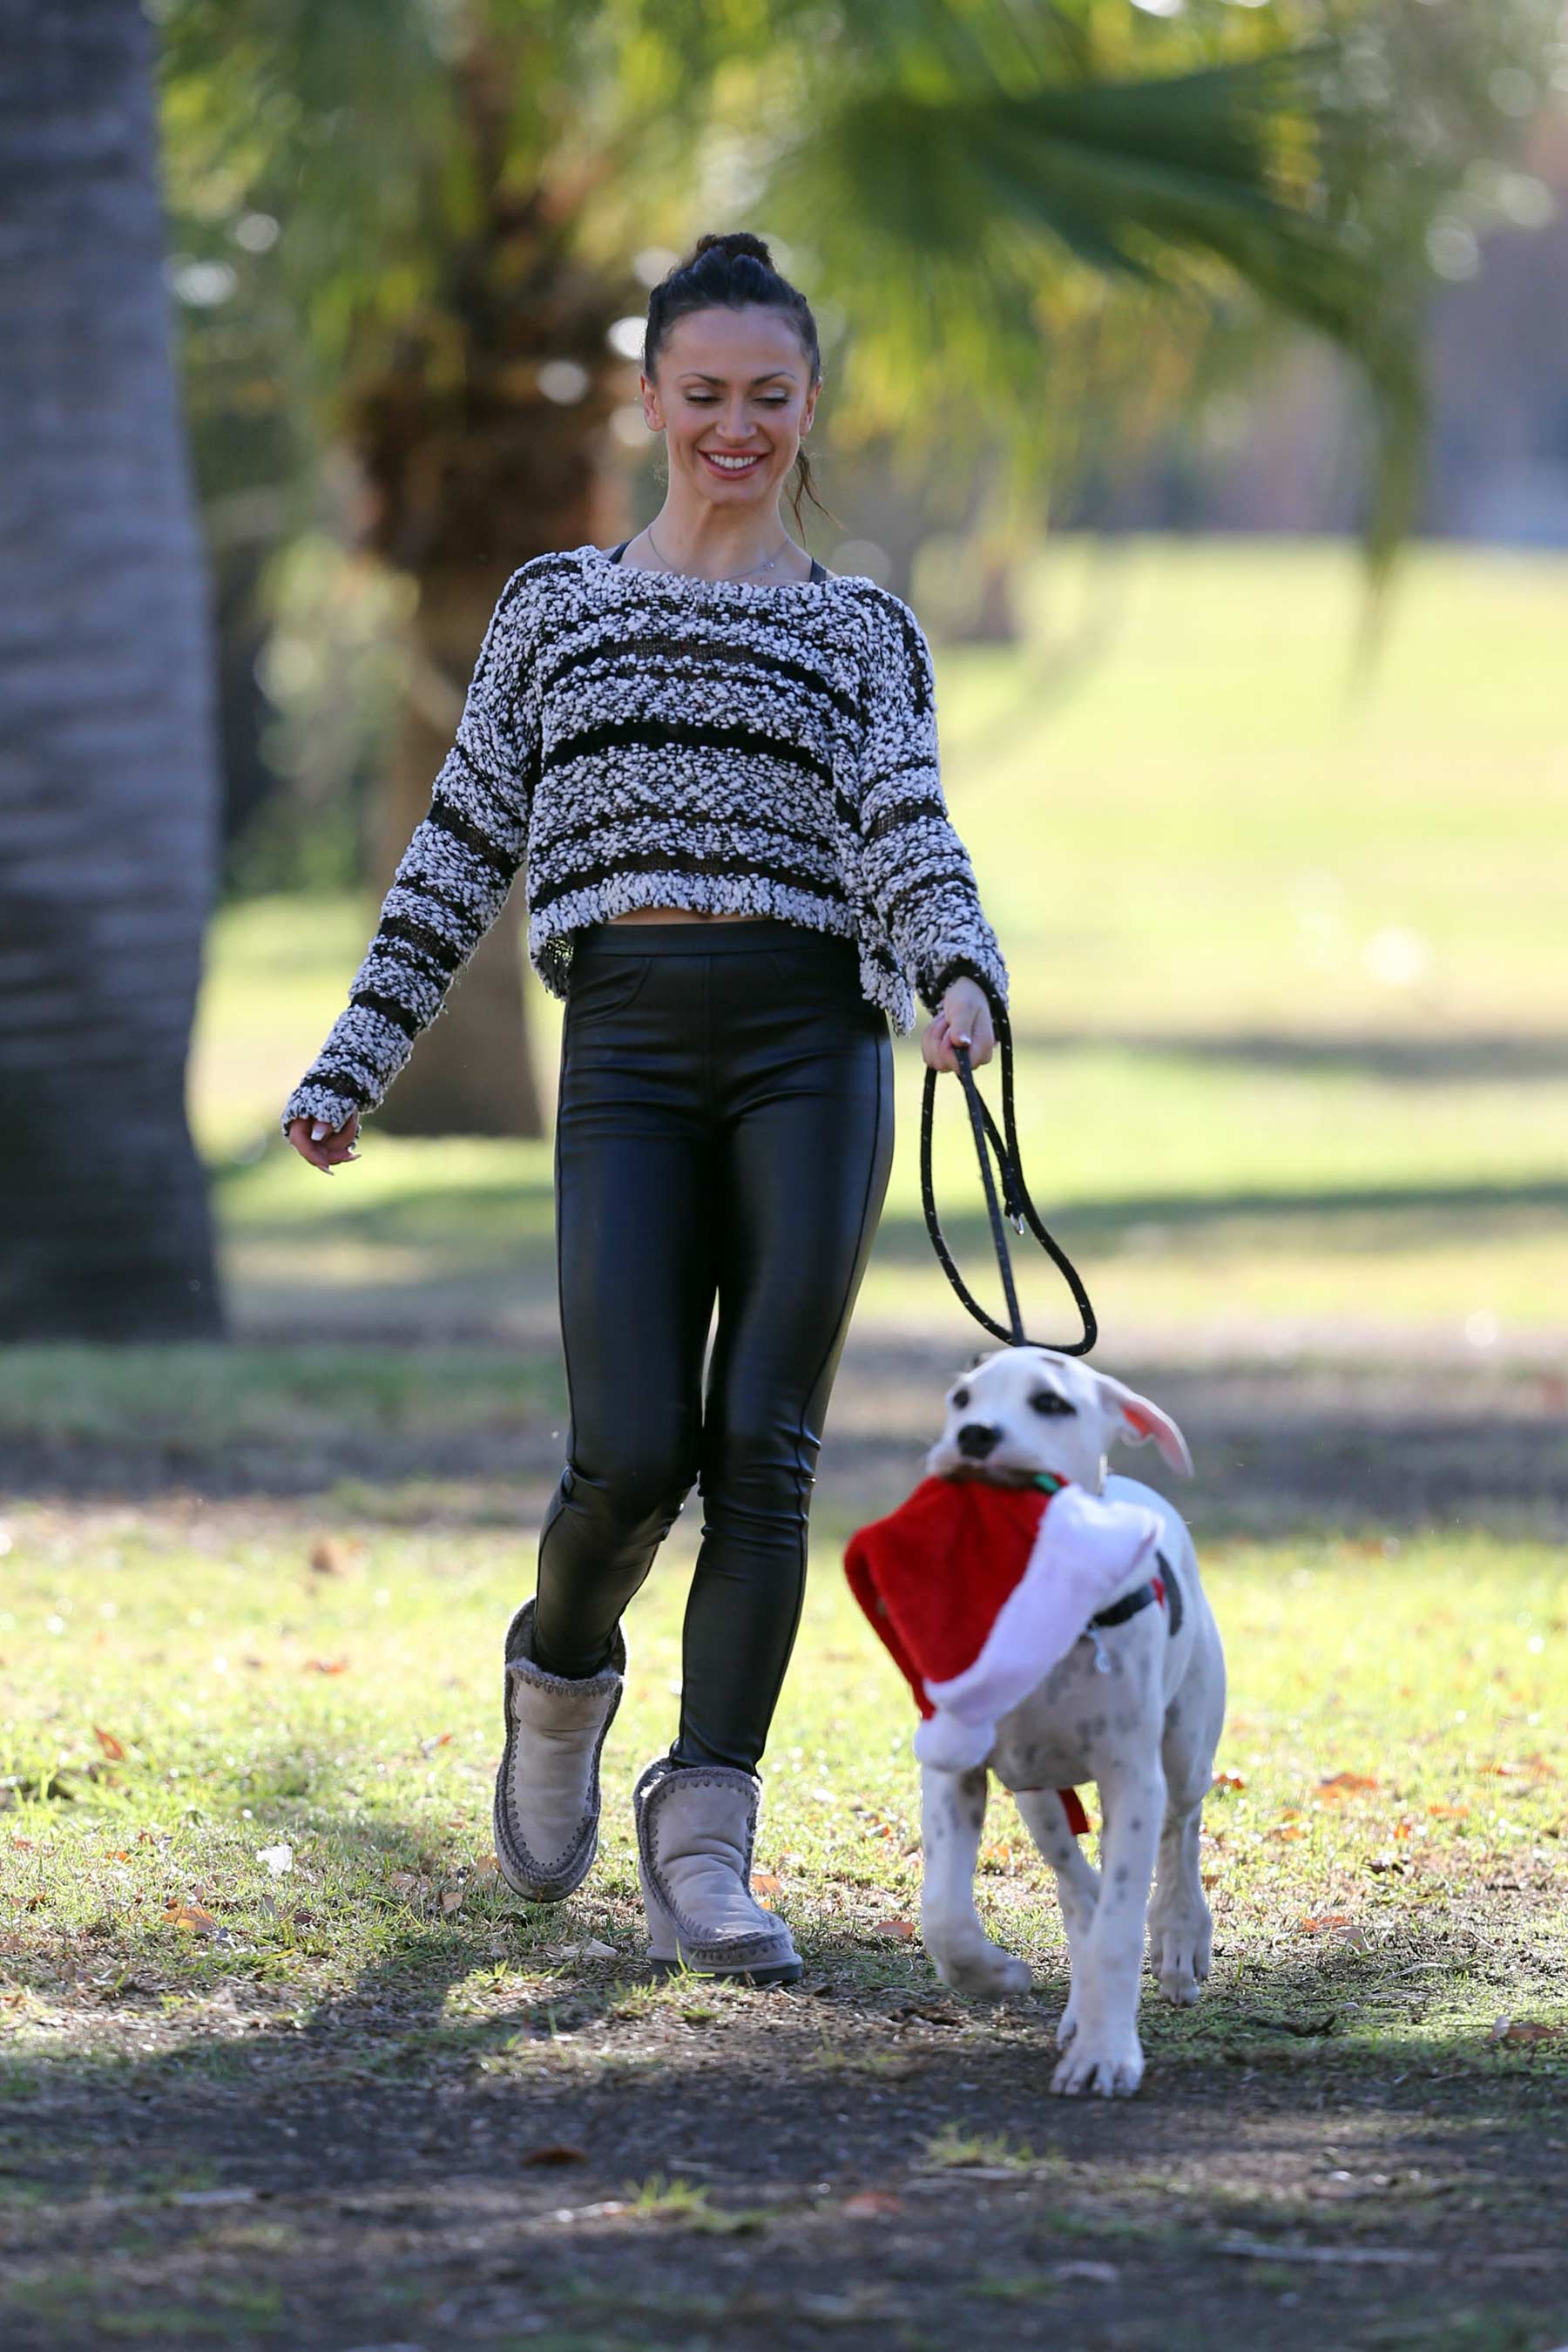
[(350, 1716)]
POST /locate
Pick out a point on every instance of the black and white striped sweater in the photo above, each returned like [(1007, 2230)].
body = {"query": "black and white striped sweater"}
[(645, 739)]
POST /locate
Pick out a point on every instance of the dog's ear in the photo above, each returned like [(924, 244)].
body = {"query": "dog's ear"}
[(1141, 1423)]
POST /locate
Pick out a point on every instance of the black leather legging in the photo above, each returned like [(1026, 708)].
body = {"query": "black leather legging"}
[(724, 1130)]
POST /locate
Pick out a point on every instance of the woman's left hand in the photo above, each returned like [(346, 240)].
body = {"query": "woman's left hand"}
[(965, 1020)]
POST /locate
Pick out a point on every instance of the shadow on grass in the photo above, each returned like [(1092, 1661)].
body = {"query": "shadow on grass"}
[(594, 2162), (1402, 1215), (1504, 1058), (477, 2138)]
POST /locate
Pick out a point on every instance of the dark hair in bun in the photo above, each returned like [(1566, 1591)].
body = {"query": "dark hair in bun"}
[(729, 272)]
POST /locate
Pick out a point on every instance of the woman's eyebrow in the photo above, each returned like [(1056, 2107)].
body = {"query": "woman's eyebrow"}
[(699, 376)]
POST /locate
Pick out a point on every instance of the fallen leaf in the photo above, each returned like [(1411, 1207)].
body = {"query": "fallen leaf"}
[(1092, 2274), (1227, 1781), (486, 1866), (1315, 1926), (870, 2205), (1448, 1813), (556, 2152), (191, 1917), (1345, 1784), (428, 1746), (898, 1930), (763, 1883), (1523, 2029), (452, 1899), (325, 1666), (329, 1557), (110, 1745), (212, 2196)]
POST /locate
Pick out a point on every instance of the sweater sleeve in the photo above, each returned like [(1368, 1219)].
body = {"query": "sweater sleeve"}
[(916, 867), (449, 885)]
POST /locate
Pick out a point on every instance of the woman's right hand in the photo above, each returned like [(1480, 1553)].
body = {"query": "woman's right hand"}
[(324, 1146)]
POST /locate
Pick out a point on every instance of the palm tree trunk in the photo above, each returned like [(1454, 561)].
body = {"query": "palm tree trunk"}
[(459, 506), (108, 771)]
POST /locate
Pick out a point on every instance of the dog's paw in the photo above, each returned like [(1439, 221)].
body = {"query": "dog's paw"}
[(1066, 2025), (1108, 2064), (984, 1972), (1179, 1954)]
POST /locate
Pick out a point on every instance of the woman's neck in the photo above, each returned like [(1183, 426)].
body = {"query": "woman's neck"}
[(713, 546)]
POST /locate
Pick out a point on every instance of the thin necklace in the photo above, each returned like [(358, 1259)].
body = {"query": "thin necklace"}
[(768, 566)]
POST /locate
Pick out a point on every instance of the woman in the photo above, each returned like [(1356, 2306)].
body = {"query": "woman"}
[(718, 763)]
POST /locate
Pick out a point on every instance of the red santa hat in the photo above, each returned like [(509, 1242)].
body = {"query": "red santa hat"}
[(978, 1590)]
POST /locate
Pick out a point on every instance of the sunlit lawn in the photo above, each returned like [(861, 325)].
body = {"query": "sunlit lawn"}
[(1290, 1001), (178, 1698)]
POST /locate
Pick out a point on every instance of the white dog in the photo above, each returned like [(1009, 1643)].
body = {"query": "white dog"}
[(1135, 1707)]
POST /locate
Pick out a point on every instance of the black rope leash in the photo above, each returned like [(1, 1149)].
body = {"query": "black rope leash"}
[(1016, 1202)]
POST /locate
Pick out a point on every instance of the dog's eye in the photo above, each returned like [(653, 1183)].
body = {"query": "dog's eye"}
[(1048, 1400), (961, 1398)]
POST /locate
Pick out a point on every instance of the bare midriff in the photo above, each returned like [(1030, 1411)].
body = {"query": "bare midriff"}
[(678, 915)]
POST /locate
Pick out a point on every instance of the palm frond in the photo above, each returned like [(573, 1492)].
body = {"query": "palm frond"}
[(1202, 183)]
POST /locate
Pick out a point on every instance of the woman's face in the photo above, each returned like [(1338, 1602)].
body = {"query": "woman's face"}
[(730, 391)]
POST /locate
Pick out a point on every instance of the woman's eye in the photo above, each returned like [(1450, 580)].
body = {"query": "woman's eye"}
[(961, 1398), (1047, 1400)]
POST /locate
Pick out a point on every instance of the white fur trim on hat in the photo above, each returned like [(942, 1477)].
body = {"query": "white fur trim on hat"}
[(1087, 1552)]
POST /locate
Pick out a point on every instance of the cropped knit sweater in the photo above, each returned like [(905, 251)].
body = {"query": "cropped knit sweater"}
[(643, 739)]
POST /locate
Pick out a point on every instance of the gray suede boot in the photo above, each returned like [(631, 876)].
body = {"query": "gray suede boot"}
[(547, 1790), (696, 1825)]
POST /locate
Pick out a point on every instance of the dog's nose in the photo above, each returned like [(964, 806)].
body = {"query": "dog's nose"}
[(975, 1440)]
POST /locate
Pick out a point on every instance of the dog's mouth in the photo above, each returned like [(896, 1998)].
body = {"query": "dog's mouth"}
[(986, 1474)]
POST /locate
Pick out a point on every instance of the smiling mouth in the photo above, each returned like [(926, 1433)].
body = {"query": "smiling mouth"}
[(732, 469)]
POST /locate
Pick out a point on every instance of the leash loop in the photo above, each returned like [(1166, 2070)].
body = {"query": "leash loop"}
[(1014, 1204)]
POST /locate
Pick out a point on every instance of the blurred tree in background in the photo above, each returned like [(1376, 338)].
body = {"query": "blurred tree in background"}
[(413, 240), (1020, 222)]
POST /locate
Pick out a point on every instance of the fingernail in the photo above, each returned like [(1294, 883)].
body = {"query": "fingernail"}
[(317, 1130)]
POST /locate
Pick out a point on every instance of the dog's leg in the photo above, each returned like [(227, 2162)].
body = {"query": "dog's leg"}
[(1105, 2053), (1077, 1883), (1180, 1936), (1181, 1932), (953, 1814)]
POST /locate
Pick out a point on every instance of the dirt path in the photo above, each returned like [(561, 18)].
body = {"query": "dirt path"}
[(828, 2166)]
